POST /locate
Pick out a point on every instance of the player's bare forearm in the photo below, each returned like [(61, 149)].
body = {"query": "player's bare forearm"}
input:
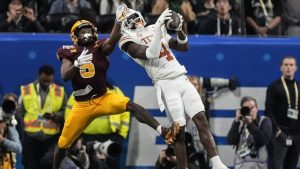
[(67, 70), (115, 35), (181, 34), (174, 44)]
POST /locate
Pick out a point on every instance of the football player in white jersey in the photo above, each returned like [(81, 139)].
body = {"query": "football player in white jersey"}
[(151, 47)]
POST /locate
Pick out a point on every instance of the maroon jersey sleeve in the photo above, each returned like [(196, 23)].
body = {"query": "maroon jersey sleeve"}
[(65, 52)]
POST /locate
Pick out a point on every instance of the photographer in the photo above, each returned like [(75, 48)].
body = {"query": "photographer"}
[(167, 158), (249, 134), (9, 137)]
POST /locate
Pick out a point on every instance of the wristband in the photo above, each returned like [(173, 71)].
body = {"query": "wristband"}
[(182, 41), (118, 22)]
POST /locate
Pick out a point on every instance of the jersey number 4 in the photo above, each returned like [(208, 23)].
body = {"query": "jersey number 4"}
[(166, 53)]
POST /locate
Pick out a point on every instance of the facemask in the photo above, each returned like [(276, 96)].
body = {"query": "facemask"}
[(87, 36), (88, 39)]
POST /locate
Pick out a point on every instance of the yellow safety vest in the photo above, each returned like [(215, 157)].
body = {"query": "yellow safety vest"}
[(32, 105), (118, 122)]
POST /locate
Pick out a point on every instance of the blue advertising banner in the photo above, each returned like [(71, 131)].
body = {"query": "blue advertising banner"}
[(253, 61)]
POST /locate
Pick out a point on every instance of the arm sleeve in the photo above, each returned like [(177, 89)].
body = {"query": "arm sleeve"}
[(123, 40), (153, 51), (12, 142), (168, 37), (65, 52), (263, 134), (233, 134)]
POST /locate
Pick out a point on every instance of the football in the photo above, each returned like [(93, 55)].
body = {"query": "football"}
[(174, 22)]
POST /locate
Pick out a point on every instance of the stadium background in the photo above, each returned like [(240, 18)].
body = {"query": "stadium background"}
[(253, 61)]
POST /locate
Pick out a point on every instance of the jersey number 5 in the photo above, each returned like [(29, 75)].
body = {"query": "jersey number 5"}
[(87, 70), (166, 53)]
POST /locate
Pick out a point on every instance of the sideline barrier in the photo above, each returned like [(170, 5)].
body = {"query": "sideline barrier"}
[(253, 61)]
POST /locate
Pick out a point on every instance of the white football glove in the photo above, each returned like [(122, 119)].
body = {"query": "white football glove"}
[(84, 58), (163, 17), (122, 13), (179, 28)]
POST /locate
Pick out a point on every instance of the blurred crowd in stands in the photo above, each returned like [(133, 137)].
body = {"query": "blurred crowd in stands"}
[(216, 17)]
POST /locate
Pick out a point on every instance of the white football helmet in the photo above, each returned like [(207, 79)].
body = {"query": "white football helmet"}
[(134, 21)]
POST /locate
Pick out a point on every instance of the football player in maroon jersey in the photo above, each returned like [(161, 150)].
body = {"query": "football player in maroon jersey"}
[(86, 65)]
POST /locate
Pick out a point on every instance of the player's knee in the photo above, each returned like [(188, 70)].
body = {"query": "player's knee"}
[(63, 143), (200, 119)]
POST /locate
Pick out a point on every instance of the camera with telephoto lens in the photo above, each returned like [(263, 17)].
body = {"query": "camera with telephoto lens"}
[(218, 83), (245, 111), (7, 112), (108, 148), (189, 145)]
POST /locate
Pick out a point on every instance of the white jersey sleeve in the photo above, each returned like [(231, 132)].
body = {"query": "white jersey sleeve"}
[(165, 34), (124, 39)]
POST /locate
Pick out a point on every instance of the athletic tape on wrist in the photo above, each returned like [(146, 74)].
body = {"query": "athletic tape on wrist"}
[(182, 41)]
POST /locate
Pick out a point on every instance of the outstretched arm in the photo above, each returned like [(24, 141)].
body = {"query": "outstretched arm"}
[(110, 43), (121, 14), (154, 48)]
